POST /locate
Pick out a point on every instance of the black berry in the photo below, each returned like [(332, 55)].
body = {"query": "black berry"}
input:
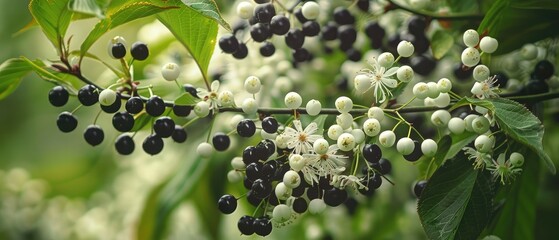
[(279, 25), (330, 31), (544, 69), (123, 121), (261, 189), (267, 49), (245, 225), (418, 188), (300, 205), (88, 95), (124, 144), (58, 96), (264, 12), (462, 72), (295, 38), (342, 16), (153, 144), (416, 154), (228, 43), (353, 54), (118, 50), (246, 128), (164, 127), (262, 226), (249, 155), (221, 141), (422, 65), (335, 197), (417, 25), (311, 28), (113, 107), (139, 51), (260, 32), (301, 54), (270, 125), (383, 166), (66, 122), (134, 105), (242, 51), (155, 106), (347, 34), (179, 134), (227, 204), (254, 171), (181, 110), (190, 89), (93, 135), (299, 16), (372, 153)]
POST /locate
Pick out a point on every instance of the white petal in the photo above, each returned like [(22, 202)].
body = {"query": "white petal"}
[(391, 71), (215, 86), (311, 128), (297, 125), (391, 83)]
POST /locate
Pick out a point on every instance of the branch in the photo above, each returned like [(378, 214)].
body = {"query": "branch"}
[(394, 5)]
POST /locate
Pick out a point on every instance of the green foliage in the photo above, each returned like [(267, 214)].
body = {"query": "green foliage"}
[(11, 73), (186, 99), (209, 9), (441, 43), (195, 31), (516, 122), (457, 202), (87, 7), (54, 18)]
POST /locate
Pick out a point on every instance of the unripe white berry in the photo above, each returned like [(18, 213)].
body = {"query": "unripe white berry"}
[(282, 191), (359, 135), (428, 102), (529, 51), (317, 206), (480, 125), (107, 97), (371, 127), (335, 131), (444, 85), (405, 73), (477, 89), (291, 179), (471, 38), (296, 162), (320, 146), (429, 147), (253, 85), (387, 138), (481, 72), (226, 98), (346, 142), (237, 163), (281, 141), (313, 107), (456, 125), (362, 83), (245, 10), (344, 120), (293, 100), (234, 176), (234, 121), (442, 100), (249, 106), (343, 104), (516, 159), (440, 118), (170, 71), (202, 109), (488, 44), (405, 146), (385, 59), (376, 113), (281, 213), (405, 49), (468, 122), (420, 90), (470, 57), (205, 150), (483, 144), (310, 10), (433, 91)]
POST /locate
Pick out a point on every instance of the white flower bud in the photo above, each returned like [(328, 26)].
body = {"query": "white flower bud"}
[(170, 71), (405, 49), (313, 107), (293, 100)]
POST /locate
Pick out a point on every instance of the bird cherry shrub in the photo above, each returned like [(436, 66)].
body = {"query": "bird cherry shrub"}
[(316, 102)]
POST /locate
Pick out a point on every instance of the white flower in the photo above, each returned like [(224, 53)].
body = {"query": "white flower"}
[(480, 159), (322, 165), (301, 140), (486, 88), (503, 170), (211, 96), (381, 80), (349, 181)]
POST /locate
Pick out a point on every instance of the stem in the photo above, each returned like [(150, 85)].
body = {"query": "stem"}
[(393, 5)]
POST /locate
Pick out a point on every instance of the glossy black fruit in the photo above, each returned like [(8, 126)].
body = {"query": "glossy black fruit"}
[(227, 204), (228, 43), (164, 127), (88, 95), (335, 197), (262, 226), (123, 121), (260, 32), (372, 153), (58, 96), (267, 49), (93, 135), (153, 144), (242, 51), (264, 12), (124, 144), (179, 134), (66, 122), (295, 38), (221, 141), (118, 50), (155, 106), (300, 205), (280, 25), (134, 105), (113, 107), (418, 188), (270, 125), (311, 28), (139, 51), (416, 154), (246, 225), (246, 128), (342, 16)]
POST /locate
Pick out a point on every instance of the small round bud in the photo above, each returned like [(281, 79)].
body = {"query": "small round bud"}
[(237, 163), (516, 159), (371, 127), (428, 102), (376, 113), (468, 122), (281, 213), (107, 97), (387, 138), (440, 118), (310, 10), (429, 147), (249, 106), (420, 90), (362, 83), (385, 59), (483, 144), (444, 85), (480, 125), (488, 44), (405, 49), (405, 146), (345, 120), (456, 125), (313, 107), (344, 104), (317, 206), (293, 100), (359, 135), (234, 176), (477, 89), (335, 131), (296, 162), (346, 142), (481, 72), (226, 98), (282, 191), (253, 85), (245, 10), (170, 71), (442, 100), (471, 38), (405, 73), (202, 109), (205, 150), (320, 146), (529, 51), (291, 179), (281, 141), (433, 91), (470, 57)]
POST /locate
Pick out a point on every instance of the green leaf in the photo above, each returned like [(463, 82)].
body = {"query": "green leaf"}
[(88, 7), (516, 218), (11, 73), (140, 121), (441, 43), (209, 9), (320, 120), (517, 122), (127, 13), (195, 31), (186, 99), (458, 142), (54, 18), (535, 4), (456, 203)]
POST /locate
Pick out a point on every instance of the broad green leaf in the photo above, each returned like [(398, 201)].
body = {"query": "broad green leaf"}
[(516, 218), (458, 142), (516, 122), (186, 99), (535, 4), (195, 31), (441, 43), (320, 120), (209, 9), (126, 13), (70, 82), (11, 73), (456, 203), (54, 18), (88, 7), (140, 121)]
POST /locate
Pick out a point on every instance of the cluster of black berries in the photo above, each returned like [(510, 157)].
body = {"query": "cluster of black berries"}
[(343, 28), (543, 70), (124, 121)]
